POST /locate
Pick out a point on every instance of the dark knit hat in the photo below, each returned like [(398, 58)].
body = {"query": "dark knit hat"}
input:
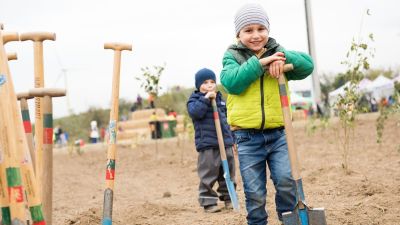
[(251, 13), (203, 75)]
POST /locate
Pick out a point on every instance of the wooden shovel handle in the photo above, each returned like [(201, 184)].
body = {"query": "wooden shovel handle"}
[(287, 67), (118, 46), (52, 92), (24, 95), (294, 164), (12, 56), (220, 137), (10, 36), (38, 36)]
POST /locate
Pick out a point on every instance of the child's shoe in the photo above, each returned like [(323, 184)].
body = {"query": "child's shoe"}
[(228, 205), (211, 209)]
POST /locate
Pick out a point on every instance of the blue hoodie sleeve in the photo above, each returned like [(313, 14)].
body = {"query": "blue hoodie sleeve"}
[(197, 106)]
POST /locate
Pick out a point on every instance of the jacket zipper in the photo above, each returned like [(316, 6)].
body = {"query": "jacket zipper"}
[(262, 94), (262, 102)]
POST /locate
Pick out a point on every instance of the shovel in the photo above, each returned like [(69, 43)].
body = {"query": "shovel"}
[(225, 166), (302, 214)]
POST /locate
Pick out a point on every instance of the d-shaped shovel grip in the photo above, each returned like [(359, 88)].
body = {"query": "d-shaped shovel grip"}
[(10, 36), (24, 95), (118, 46), (12, 56), (38, 36), (51, 92)]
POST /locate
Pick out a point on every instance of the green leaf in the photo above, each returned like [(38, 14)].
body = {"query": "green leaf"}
[(363, 46), (371, 36), (366, 65)]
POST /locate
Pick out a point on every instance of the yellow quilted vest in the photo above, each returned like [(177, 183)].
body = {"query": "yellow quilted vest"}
[(245, 110)]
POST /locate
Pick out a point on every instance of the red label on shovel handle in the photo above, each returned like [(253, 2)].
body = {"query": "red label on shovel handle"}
[(284, 101), (16, 193), (216, 116), (27, 126), (110, 174), (48, 136)]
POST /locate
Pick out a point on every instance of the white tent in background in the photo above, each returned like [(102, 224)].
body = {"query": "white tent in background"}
[(361, 87), (364, 83), (381, 87), (334, 95)]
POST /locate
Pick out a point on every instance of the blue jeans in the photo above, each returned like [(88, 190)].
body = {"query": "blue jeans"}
[(256, 149)]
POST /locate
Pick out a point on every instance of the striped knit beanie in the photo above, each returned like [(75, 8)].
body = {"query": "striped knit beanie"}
[(251, 13)]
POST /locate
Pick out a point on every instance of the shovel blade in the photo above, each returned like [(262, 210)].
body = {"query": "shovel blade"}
[(316, 216), (230, 185), (232, 194)]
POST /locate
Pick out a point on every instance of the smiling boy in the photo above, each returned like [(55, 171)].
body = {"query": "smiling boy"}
[(250, 71)]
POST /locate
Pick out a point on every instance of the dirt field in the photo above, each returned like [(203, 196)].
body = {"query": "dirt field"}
[(163, 190)]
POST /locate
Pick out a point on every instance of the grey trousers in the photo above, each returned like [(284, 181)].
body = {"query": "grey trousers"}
[(209, 168)]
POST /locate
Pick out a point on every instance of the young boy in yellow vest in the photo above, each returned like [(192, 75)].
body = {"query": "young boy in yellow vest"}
[(250, 71)]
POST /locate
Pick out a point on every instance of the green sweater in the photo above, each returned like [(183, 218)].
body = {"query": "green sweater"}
[(253, 100)]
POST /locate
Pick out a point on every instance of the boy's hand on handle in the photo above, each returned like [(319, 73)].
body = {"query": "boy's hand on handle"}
[(265, 62), (210, 95), (276, 68)]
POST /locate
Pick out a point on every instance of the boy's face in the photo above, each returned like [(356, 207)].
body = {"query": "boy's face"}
[(254, 37), (207, 86)]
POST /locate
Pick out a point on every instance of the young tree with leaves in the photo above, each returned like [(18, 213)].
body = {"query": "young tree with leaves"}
[(150, 80), (357, 62)]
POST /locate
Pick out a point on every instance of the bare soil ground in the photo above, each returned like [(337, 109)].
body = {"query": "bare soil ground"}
[(163, 190)]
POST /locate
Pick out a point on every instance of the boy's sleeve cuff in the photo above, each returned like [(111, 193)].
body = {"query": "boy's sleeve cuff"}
[(255, 62)]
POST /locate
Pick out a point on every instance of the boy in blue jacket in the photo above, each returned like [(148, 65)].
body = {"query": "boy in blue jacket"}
[(209, 165)]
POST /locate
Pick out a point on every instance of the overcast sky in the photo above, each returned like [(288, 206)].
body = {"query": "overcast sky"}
[(186, 35)]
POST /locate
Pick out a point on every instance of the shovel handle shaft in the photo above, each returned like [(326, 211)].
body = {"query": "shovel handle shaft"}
[(224, 161), (288, 124), (218, 129)]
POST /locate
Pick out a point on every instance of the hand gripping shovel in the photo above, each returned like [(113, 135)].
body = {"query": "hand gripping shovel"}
[(302, 214), (225, 166)]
